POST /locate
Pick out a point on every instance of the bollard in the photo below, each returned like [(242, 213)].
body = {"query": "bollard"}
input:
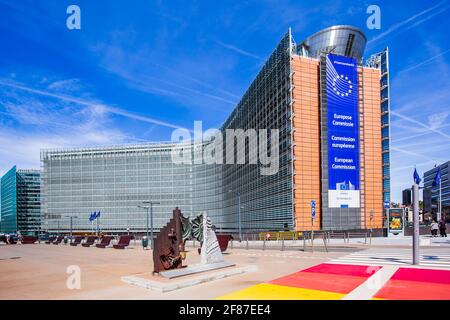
[(282, 244), (264, 243), (193, 243), (231, 243), (247, 244), (325, 242), (304, 241)]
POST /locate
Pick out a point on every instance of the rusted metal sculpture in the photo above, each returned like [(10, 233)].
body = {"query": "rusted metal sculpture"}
[(169, 245), (169, 253)]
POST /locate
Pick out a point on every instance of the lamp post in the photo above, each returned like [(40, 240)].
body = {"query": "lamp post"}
[(146, 208), (71, 224), (415, 188), (371, 219), (151, 203), (239, 213)]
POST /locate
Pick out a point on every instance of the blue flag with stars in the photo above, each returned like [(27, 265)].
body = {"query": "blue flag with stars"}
[(437, 178), (92, 216), (416, 177)]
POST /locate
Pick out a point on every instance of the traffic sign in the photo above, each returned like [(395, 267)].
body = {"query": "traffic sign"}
[(313, 209), (387, 204)]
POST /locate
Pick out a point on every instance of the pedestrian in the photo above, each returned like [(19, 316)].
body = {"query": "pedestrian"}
[(442, 228), (434, 228)]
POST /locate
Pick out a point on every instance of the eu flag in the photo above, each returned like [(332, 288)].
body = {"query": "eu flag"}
[(98, 215), (437, 178), (416, 177), (92, 216)]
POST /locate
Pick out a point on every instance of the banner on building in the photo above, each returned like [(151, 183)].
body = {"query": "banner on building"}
[(343, 132)]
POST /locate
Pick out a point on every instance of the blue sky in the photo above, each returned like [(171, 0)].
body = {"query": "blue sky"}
[(138, 69)]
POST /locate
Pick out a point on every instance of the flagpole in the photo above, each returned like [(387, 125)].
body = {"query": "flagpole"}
[(416, 233)]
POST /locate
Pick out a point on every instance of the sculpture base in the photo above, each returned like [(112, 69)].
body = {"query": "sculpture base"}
[(194, 268), (160, 284)]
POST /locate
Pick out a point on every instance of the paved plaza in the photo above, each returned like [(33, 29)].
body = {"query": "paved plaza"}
[(39, 271)]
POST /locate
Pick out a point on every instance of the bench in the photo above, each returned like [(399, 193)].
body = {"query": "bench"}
[(89, 241), (28, 239), (106, 240), (50, 240), (223, 240), (58, 240), (124, 241), (76, 241)]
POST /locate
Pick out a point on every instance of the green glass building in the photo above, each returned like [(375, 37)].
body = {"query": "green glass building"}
[(20, 202)]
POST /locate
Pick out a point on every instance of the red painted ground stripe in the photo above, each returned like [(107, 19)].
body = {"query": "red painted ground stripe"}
[(423, 275), (321, 281), (413, 290), (344, 269)]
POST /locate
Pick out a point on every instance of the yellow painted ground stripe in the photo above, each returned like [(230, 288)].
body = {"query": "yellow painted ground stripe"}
[(265, 291)]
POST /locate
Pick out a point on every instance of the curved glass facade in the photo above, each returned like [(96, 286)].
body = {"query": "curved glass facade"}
[(115, 180), (341, 40), (286, 95)]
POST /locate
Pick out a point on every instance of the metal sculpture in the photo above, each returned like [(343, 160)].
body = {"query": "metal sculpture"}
[(169, 250), (197, 228), (169, 245), (210, 252)]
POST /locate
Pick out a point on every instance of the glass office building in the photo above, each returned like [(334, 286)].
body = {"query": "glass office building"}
[(288, 94), (20, 202), (381, 61), (443, 189), (112, 181)]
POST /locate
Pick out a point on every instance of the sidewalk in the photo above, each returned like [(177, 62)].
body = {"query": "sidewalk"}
[(400, 241)]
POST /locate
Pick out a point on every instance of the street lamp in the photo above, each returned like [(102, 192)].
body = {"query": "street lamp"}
[(71, 224), (146, 208), (151, 203), (371, 218), (239, 213)]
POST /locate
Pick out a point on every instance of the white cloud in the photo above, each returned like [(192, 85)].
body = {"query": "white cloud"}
[(34, 119), (239, 50), (89, 103)]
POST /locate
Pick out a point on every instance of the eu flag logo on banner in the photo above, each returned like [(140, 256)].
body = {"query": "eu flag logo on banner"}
[(343, 132), (342, 85)]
